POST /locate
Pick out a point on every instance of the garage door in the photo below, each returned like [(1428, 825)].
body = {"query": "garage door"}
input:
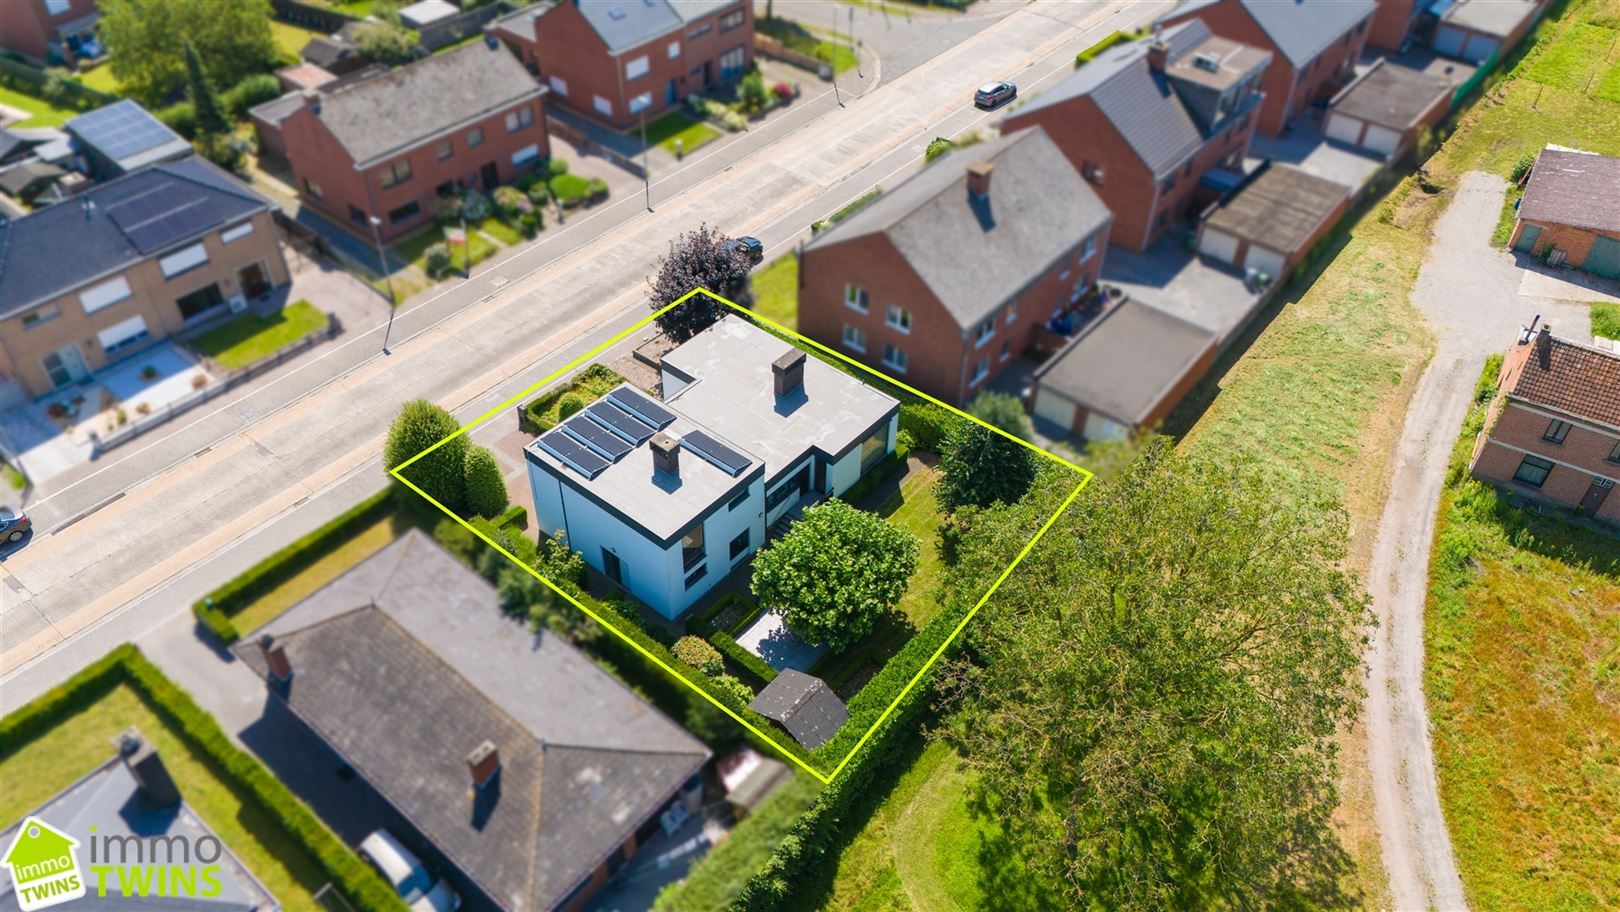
[(1099, 428), (1344, 128), (1479, 47), (1381, 139), (1055, 409), (1262, 260), (1449, 41), (1527, 239), (1604, 258), (1218, 244)]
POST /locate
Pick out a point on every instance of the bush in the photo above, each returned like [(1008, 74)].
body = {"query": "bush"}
[(447, 209), (700, 655), (597, 189), (569, 190), (437, 259), (516, 516), (743, 659), (474, 206), (1522, 167), (733, 688), (225, 150), (569, 405), (752, 94), (457, 539), (928, 424), (249, 93), (556, 167), (593, 381), (440, 474), (540, 193), (510, 202), (532, 223), (180, 118), (387, 43), (486, 489), (784, 92)]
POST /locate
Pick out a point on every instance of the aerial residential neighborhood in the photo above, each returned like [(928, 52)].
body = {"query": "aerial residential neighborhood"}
[(902, 455)]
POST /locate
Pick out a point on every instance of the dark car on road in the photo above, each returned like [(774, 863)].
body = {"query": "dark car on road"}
[(13, 525), (994, 94), (750, 247)]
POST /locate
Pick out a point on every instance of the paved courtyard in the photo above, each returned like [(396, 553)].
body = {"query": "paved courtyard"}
[(771, 640)]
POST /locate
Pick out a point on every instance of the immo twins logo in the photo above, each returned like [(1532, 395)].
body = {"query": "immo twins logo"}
[(44, 865)]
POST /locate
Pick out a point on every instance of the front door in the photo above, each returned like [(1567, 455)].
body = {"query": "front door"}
[(671, 93), (1595, 495), (1528, 235), (491, 176), (66, 366), (255, 280)]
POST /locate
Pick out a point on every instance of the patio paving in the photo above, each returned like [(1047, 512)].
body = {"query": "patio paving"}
[(1564, 284), (781, 648)]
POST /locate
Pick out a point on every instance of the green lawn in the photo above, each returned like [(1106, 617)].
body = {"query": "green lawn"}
[(1571, 62), (101, 79), (776, 290), (44, 114), (808, 41), (290, 39), (1606, 320), (1508, 218), (1523, 645), (250, 337), (593, 383), (503, 233), (330, 566), (37, 770), (678, 125), (414, 249)]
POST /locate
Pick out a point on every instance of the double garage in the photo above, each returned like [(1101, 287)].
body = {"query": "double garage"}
[(1383, 110), (1271, 220)]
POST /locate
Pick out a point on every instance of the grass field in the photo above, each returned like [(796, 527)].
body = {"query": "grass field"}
[(250, 337), (414, 249), (1523, 642), (1606, 320), (677, 125), (290, 39), (101, 79), (776, 291), (53, 761), (501, 232), (43, 113), (330, 566), (807, 41)]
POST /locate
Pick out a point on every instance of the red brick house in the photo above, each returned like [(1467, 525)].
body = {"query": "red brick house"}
[(1392, 23), (1145, 122), (1570, 213), (389, 146), (618, 60), (1315, 43), (51, 32), (1553, 431), (944, 279)]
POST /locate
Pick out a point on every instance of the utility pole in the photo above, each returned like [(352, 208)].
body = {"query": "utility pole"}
[(831, 67), (854, 45), (382, 263), (646, 169)]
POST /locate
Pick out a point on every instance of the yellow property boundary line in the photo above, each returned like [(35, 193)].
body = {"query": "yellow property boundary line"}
[(824, 778)]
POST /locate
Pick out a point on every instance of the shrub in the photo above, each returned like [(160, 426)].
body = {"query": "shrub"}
[(700, 655), (569, 405), (597, 189), (1002, 410), (223, 149), (510, 202), (447, 209), (556, 166), (437, 259), (928, 424), (180, 118), (784, 92), (937, 146), (569, 190), (540, 193), (474, 206), (752, 94), (516, 516), (729, 686), (441, 473), (251, 92), (732, 121), (742, 658), (1523, 166), (486, 489), (979, 467), (386, 42), (457, 539), (532, 223)]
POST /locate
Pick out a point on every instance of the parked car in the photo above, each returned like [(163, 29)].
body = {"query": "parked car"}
[(13, 525), (409, 876), (994, 94), (750, 247)]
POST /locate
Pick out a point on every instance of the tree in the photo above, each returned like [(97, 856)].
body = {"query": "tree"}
[(697, 259), (1003, 410), (440, 474), (752, 92), (835, 572), (981, 467), (148, 38), (205, 104), (696, 652), (486, 489), (1152, 709), (386, 43), (937, 146)]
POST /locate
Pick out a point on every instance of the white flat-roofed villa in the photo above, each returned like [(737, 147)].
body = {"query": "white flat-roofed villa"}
[(666, 497)]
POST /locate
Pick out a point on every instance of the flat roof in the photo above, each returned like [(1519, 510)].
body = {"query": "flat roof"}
[(733, 395), (1492, 17), (1391, 95), (1278, 209), (1127, 361), (1231, 62)]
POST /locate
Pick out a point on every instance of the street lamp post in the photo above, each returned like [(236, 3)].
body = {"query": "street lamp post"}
[(646, 169), (855, 46), (388, 281), (837, 96)]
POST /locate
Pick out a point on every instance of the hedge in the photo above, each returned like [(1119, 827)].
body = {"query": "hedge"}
[(721, 874), (747, 661), (1091, 53), (214, 610), (354, 879), (927, 423)]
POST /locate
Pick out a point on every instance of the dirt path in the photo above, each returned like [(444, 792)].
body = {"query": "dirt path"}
[(1469, 292)]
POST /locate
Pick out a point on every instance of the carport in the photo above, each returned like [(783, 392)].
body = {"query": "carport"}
[(1266, 226), (1385, 107)]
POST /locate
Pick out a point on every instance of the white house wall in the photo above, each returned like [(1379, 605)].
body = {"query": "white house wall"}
[(718, 530), (842, 474)]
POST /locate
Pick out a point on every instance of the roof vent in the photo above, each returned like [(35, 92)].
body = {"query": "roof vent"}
[(1207, 62)]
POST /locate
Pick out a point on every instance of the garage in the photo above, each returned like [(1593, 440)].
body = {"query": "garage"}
[(1570, 212), (1479, 47), (1218, 244), (1054, 408), (1604, 258), (1383, 109), (1382, 139), (1268, 262), (1449, 41), (1344, 128)]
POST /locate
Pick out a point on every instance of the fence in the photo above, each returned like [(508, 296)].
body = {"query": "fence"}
[(320, 18), (228, 381), (776, 50)]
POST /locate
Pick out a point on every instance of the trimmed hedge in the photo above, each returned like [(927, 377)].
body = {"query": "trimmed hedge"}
[(214, 610), (356, 881), (745, 660), (927, 423), (516, 516), (720, 875), (1091, 53)]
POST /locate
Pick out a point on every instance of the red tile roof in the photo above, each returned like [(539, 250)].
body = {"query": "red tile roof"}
[(1574, 379)]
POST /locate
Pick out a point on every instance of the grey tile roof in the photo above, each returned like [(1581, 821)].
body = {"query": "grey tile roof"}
[(804, 704), (1124, 364), (107, 228), (1278, 208), (380, 116), (624, 24), (1391, 95), (1573, 188), (975, 255), (405, 664)]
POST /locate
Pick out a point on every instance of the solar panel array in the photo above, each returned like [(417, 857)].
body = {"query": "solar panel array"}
[(606, 431), (642, 407), (158, 217), (727, 459), (122, 129)]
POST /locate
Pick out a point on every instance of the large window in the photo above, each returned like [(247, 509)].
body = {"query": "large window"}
[(602, 105), (526, 154), (1533, 471), (183, 261), (874, 448), (640, 103), (405, 213), (200, 302), (394, 174), (740, 543), (636, 68), (732, 62), (1556, 431), (895, 359), (732, 19), (899, 318), (739, 500), (558, 85), (854, 339), (104, 295), (692, 548), (127, 334), (519, 119)]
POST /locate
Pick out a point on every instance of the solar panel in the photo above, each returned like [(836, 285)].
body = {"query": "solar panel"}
[(122, 130), (573, 454), (597, 437), (632, 428), (642, 407), (728, 459)]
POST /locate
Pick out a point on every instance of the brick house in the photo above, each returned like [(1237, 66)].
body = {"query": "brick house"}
[(1315, 44), (1145, 122), (944, 279), (91, 280), (51, 32), (617, 61), (1553, 430), (1392, 23), (1570, 213), (389, 146)]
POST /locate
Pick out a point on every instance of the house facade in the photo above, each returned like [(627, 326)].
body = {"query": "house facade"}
[(1145, 122), (89, 281), (1553, 430), (1570, 213), (1392, 23), (619, 62), (51, 32), (387, 147), (1314, 43), (667, 497), (942, 281)]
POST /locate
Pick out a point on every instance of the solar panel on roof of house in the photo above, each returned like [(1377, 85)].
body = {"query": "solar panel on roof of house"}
[(625, 424), (573, 454), (122, 130), (642, 407), (596, 437), (729, 460)]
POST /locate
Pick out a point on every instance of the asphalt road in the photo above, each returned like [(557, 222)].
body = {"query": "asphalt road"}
[(130, 548)]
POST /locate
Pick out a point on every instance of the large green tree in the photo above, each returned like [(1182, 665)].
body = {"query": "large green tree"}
[(205, 104), (147, 40), (1151, 703), (981, 467), (835, 572), (441, 473)]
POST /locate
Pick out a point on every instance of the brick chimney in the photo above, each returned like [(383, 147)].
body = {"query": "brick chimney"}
[(276, 663), (666, 451), (154, 786), (483, 763), (1544, 346), (978, 178), (787, 372)]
